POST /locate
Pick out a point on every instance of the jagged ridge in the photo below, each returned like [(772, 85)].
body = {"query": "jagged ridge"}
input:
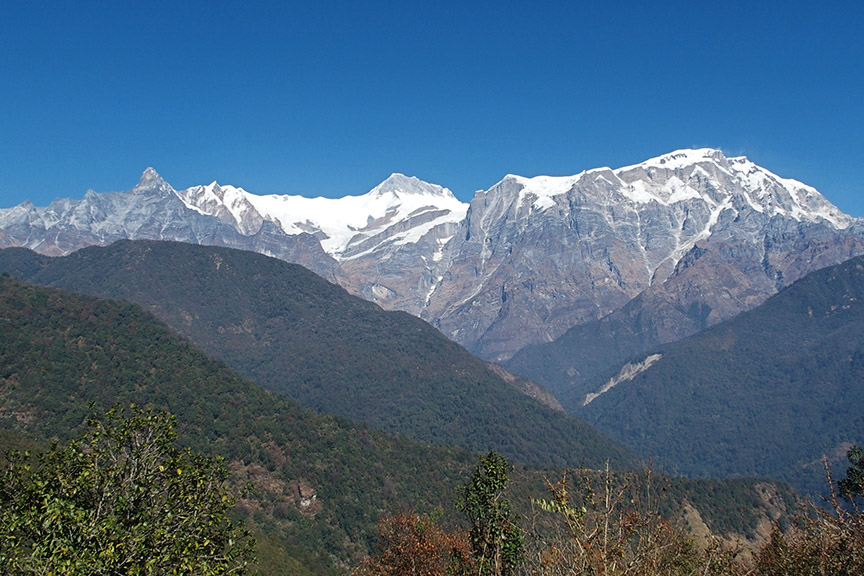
[(527, 260)]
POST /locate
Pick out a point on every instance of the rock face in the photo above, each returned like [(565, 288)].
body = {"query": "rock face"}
[(761, 233), (698, 237)]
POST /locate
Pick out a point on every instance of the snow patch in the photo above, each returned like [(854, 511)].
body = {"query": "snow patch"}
[(678, 159), (439, 253), (544, 189), (627, 373)]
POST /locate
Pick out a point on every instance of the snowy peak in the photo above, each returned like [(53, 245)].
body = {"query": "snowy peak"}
[(401, 185), (400, 209), (151, 181), (681, 159), (541, 190), (733, 183), (704, 179), (227, 203)]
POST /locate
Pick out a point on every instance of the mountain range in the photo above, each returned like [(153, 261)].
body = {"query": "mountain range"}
[(662, 249)]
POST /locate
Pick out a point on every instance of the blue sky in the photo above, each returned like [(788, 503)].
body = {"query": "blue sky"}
[(328, 98)]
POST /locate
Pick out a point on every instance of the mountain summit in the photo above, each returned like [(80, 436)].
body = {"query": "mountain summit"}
[(699, 234), (537, 256), (399, 184), (151, 181)]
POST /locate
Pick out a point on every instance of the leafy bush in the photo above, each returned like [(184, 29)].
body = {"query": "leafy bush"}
[(829, 541), (609, 524), (121, 500)]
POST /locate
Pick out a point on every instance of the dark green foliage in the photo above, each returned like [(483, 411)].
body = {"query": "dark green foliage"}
[(731, 506), (121, 500), (767, 393), (292, 332), (496, 539), (852, 486), (59, 351)]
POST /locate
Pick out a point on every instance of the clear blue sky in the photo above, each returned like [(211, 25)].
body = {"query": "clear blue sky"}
[(328, 98)]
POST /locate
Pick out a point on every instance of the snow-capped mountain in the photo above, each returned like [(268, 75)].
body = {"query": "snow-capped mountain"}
[(539, 255), (400, 210), (315, 232), (526, 260)]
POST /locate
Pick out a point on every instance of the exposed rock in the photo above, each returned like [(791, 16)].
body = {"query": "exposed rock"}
[(698, 237)]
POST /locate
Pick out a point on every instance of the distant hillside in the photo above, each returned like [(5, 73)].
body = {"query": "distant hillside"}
[(61, 351), (294, 333), (766, 393), (570, 365)]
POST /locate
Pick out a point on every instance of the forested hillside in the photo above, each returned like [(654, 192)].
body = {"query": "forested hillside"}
[(290, 331), (60, 352), (319, 483), (767, 393)]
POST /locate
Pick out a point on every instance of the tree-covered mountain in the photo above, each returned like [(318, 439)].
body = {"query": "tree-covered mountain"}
[(292, 332), (767, 393), (319, 483)]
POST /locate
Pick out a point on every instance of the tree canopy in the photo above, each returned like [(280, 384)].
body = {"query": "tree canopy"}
[(123, 499)]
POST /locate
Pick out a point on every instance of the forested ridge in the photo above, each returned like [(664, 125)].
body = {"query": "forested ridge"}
[(61, 352), (292, 332), (769, 392)]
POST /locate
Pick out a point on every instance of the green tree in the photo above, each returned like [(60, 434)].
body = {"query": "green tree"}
[(852, 485), (609, 524), (497, 541), (121, 500)]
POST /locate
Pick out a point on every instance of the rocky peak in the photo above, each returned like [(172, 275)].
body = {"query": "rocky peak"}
[(151, 181), (398, 185)]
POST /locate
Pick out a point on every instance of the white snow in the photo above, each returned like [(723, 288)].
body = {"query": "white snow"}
[(439, 253), (772, 193), (677, 159), (544, 189), (628, 372), (206, 199), (345, 220), (342, 218), (638, 192)]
